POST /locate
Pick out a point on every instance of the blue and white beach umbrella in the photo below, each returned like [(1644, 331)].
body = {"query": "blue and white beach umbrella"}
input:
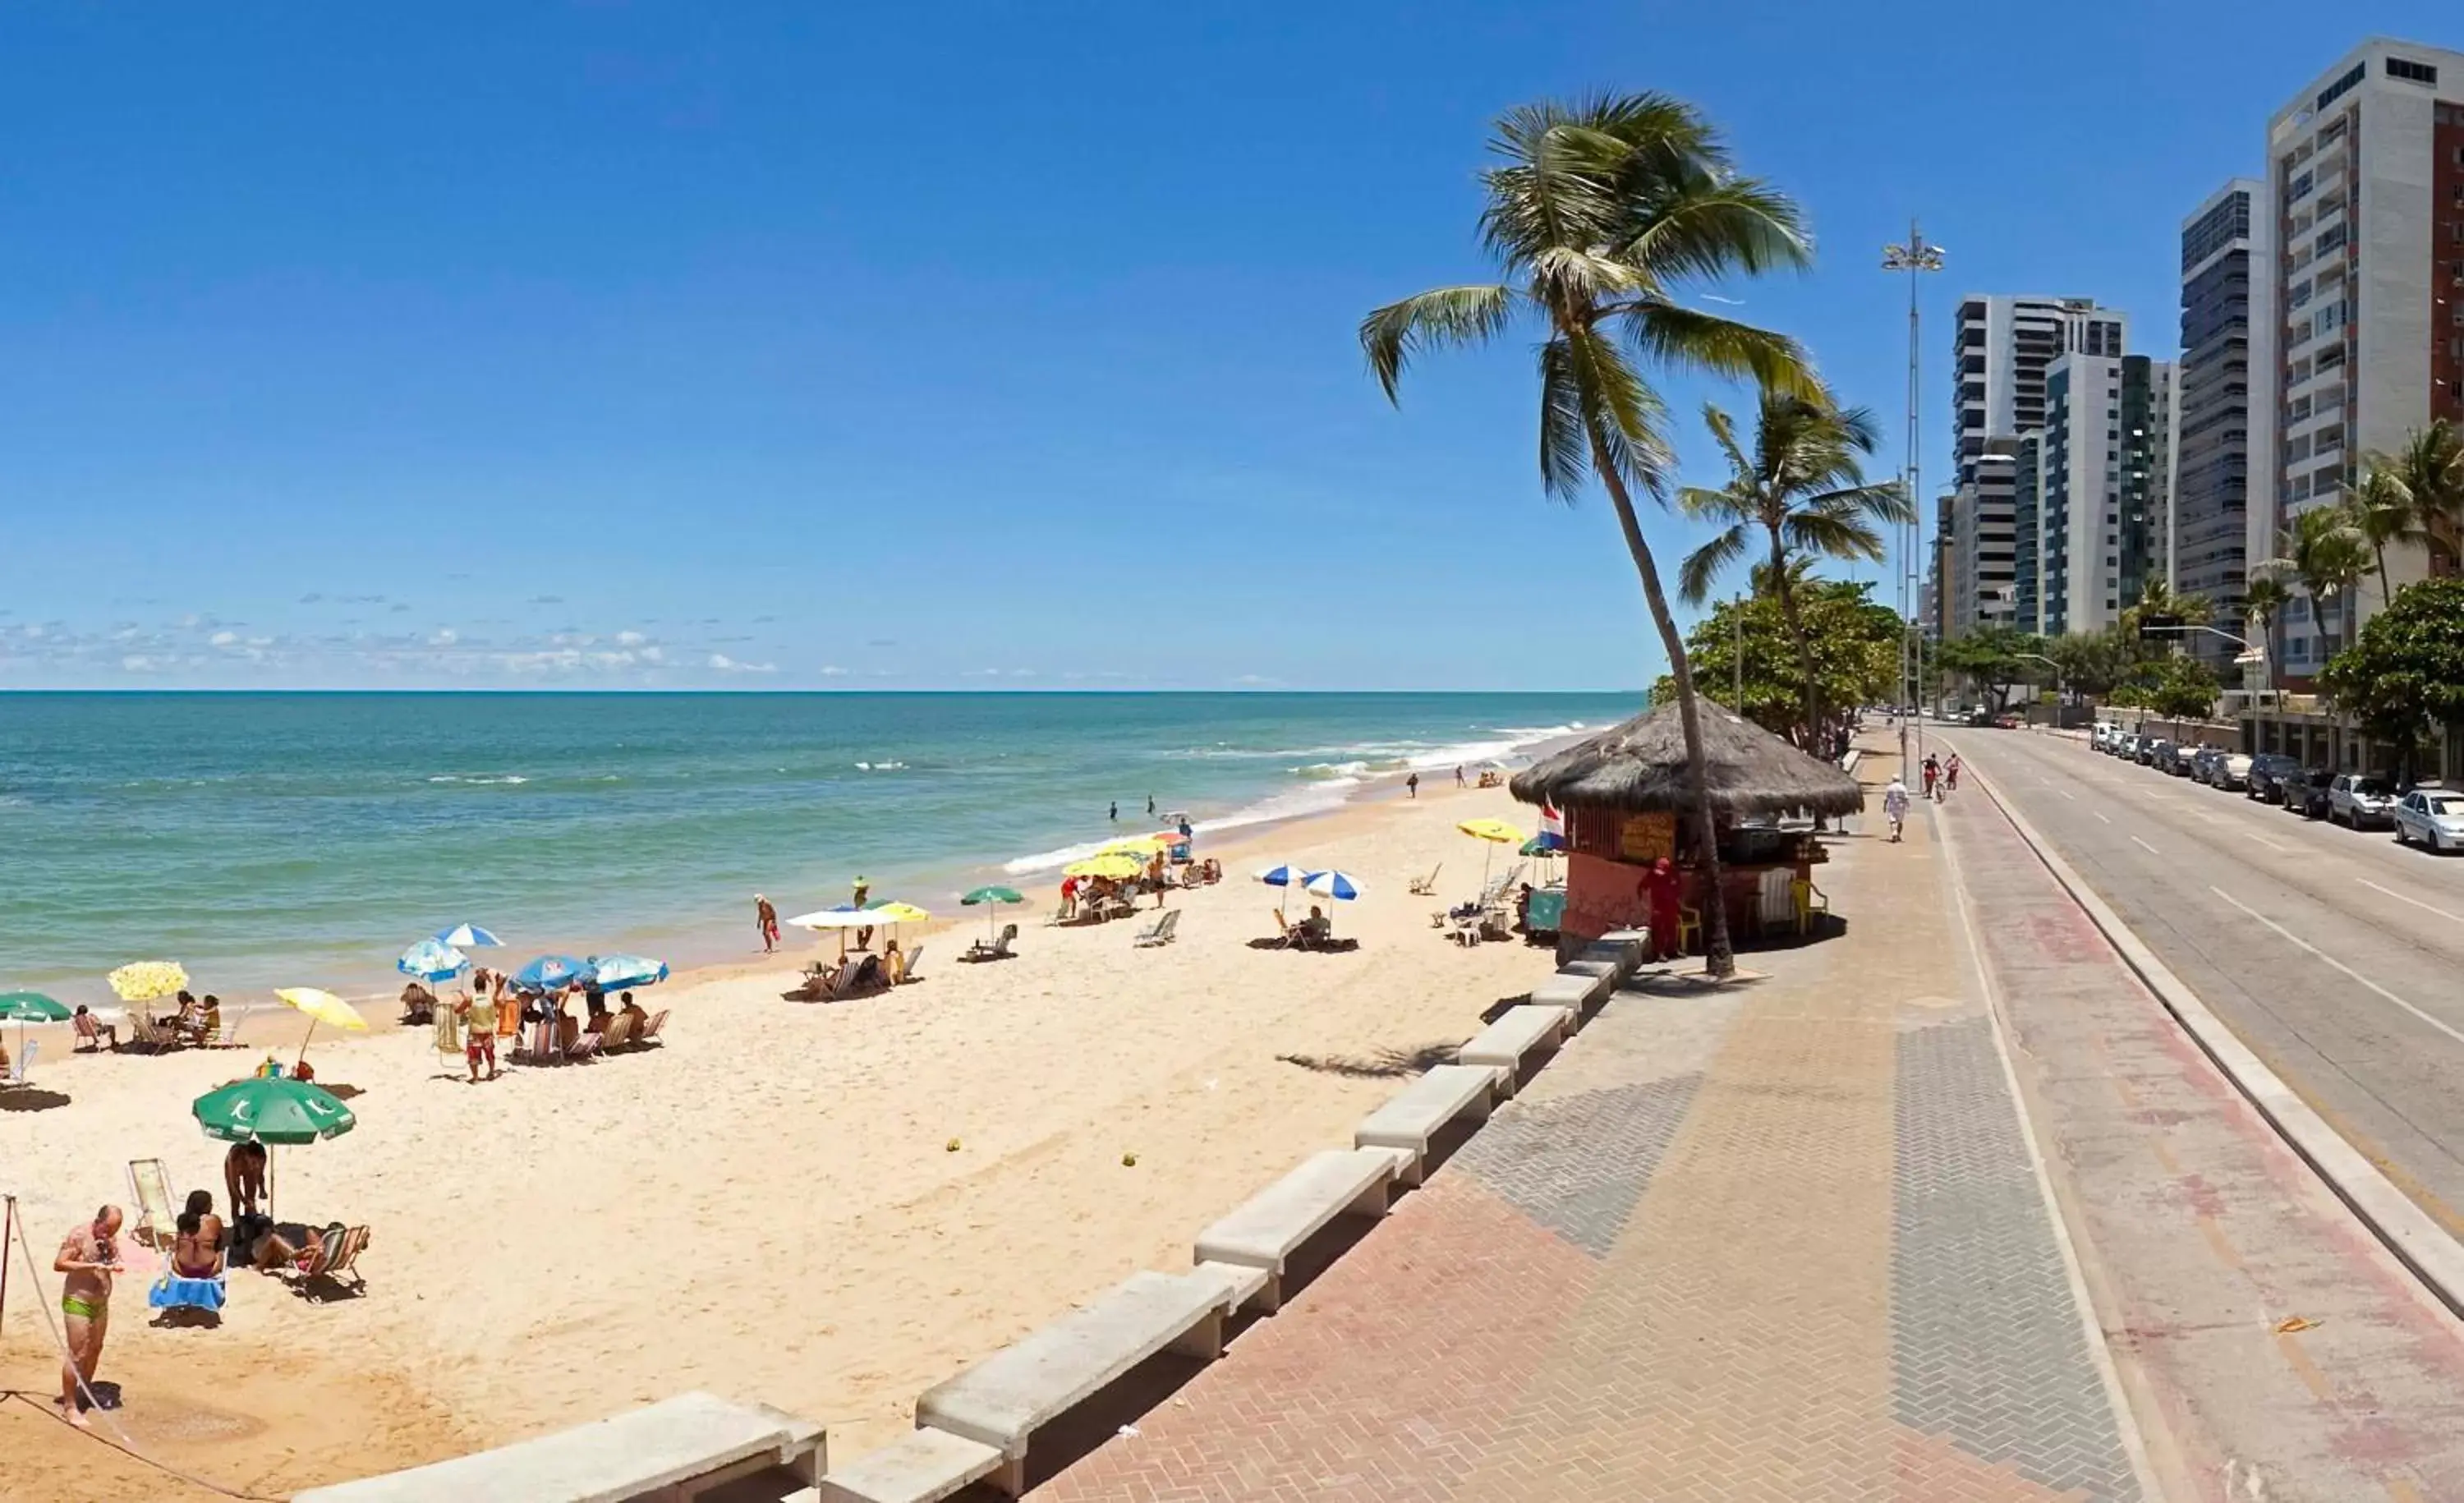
[(432, 960), (1285, 875), (551, 973), (469, 935), (1336, 885), (623, 972)]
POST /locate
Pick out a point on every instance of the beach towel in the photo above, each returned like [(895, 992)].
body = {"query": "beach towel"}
[(448, 1031), (186, 1294)]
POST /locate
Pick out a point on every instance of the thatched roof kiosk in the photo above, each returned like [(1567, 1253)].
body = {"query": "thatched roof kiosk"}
[(1640, 768)]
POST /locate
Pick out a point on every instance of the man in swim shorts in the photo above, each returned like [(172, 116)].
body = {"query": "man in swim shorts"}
[(88, 1257)]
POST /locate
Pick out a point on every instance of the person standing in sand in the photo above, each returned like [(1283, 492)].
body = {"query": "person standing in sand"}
[(478, 1035), (244, 1178), (766, 919), (1459, 777), (1412, 787), (88, 1256), (863, 894)]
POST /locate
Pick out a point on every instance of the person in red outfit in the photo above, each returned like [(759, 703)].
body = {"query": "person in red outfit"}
[(1662, 891)]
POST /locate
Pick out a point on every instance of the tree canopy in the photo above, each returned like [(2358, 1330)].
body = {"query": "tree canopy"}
[(2405, 675), (1855, 646)]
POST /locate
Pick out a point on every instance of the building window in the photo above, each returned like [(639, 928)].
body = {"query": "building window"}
[(2411, 71)]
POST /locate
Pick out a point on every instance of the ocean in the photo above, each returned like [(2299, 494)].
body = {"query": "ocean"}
[(305, 839)]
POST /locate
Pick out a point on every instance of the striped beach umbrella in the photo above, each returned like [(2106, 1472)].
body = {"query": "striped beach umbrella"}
[(1336, 885), (624, 972), (432, 960), (469, 937)]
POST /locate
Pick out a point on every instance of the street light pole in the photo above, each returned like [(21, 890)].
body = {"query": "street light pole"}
[(1914, 257)]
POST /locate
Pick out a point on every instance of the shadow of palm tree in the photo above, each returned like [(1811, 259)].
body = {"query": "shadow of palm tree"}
[(30, 1099), (1386, 1063)]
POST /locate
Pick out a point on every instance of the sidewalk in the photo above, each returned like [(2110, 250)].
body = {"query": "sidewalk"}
[(1782, 1242)]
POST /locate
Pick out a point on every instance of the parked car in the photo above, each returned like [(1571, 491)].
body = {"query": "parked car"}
[(2179, 762), (2266, 769), (2360, 800), (2305, 792), (2127, 748), (2434, 816), (2157, 752), (2203, 764), (2009, 721), (2230, 771)]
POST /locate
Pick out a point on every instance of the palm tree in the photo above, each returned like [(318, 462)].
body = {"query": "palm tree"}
[(2431, 472), (1596, 212), (2324, 550), (2384, 510), (1761, 583), (1805, 490), (2158, 598), (2262, 600)]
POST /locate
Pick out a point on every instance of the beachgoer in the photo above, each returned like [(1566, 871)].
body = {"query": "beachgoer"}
[(1186, 832), (634, 1009), (178, 1018), (1114, 813), (244, 1178), (478, 1035), (89, 1256), (1523, 906), (208, 1025), (1412, 787), (863, 894), (1459, 777), (91, 1032), (766, 919), (1932, 774), (1895, 807), (1951, 773), (1314, 928), (1069, 897), (303, 1071), (893, 961), (269, 1253), (418, 1003), (1150, 806), (197, 1251), (1663, 892)]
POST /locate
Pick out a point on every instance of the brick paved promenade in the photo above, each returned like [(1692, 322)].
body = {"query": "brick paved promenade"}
[(1785, 1242)]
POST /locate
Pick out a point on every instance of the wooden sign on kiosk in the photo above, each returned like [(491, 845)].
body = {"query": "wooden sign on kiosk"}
[(1645, 838)]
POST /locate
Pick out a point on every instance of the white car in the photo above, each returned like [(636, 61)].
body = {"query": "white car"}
[(2432, 816)]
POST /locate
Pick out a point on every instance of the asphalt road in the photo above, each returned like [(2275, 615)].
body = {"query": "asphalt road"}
[(2337, 954)]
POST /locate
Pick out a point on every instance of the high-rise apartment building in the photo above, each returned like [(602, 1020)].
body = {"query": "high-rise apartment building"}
[(2100, 493), (2001, 348), (1985, 541), (2224, 355), (2027, 509), (2364, 293)]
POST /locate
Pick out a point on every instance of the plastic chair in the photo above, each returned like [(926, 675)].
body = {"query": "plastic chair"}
[(1810, 901), (1690, 930)]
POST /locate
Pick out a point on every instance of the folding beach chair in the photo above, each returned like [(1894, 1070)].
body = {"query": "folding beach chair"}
[(150, 1188)]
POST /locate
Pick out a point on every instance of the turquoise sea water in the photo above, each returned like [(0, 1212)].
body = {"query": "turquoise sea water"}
[(305, 838)]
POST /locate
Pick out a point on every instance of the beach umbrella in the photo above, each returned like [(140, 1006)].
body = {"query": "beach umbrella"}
[(550, 973), (624, 972), (1544, 843), (895, 912), (1115, 866), (1339, 885), (272, 1109), (322, 1006), (468, 937), (846, 916), (143, 981), (1139, 846), (432, 960), (1491, 833), (991, 899), (30, 1006), (1286, 876)]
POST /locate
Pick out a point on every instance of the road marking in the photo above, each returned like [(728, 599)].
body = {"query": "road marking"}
[(2144, 846), (2068, 794), (2298, 940), (2414, 901), (2264, 841), (2099, 813)]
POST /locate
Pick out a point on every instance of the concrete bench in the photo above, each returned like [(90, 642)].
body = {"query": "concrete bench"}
[(927, 1467), (1573, 991), (1004, 1400), (674, 1449), (1422, 1108), (1266, 1228), (1517, 1033), (1622, 949)]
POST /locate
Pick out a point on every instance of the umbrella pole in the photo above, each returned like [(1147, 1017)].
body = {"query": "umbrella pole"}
[(303, 1050)]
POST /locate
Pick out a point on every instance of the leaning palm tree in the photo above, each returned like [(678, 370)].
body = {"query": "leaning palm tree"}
[(1803, 488), (1597, 213), (2262, 601), (2325, 551), (2385, 510)]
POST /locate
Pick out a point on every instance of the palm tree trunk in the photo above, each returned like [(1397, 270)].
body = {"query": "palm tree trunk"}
[(2385, 598), (1718, 958), (1804, 644)]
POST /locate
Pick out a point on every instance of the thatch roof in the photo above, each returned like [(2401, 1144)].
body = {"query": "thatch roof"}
[(1640, 767)]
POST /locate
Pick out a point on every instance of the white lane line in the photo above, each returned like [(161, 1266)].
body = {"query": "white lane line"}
[(2068, 794), (2144, 846), (2099, 813), (2264, 841), (2414, 901), (2298, 940)]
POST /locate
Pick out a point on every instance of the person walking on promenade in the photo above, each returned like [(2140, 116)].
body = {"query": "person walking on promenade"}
[(1895, 805), (766, 919), (1950, 774), (1932, 777), (89, 1256)]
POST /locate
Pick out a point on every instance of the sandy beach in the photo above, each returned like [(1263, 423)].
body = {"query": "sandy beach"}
[(770, 1205)]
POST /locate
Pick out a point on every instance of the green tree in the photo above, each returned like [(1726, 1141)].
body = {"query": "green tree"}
[(2404, 673), (1991, 658), (2262, 601), (2158, 600), (1600, 214), (2384, 510), (1803, 488), (2093, 663), (1856, 646), (2325, 553), (2431, 470), (2178, 687)]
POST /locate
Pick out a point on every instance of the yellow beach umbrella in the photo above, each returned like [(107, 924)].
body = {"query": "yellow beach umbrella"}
[(143, 981), (322, 1006), (897, 913), (1496, 830), (1115, 866), (1140, 846)]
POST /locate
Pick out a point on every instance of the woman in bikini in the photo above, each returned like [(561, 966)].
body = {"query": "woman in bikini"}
[(197, 1251)]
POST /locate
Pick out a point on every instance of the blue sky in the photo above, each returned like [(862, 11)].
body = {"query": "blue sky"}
[(789, 346)]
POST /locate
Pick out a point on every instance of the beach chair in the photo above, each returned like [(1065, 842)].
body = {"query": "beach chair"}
[(584, 1047), (1159, 932), (170, 1291), (336, 1258), (992, 949), (650, 1029), (150, 1188), (142, 1033), (16, 1076), (914, 963), (618, 1033), (1427, 885)]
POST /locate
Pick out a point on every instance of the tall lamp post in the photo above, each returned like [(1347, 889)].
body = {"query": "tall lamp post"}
[(1914, 257), (2057, 683)]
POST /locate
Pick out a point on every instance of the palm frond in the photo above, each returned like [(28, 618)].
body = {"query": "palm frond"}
[(1723, 433), (1703, 565), (1715, 226), (1730, 503), (1689, 339), (1840, 534), (1883, 502), (1393, 334), (1619, 409), (1565, 446)]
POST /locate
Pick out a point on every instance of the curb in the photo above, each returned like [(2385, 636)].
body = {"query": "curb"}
[(2419, 1243)]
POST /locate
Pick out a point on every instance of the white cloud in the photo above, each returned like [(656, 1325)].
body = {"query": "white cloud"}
[(725, 664), (833, 670), (223, 638), (631, 639), (445, 637), (137, 663)]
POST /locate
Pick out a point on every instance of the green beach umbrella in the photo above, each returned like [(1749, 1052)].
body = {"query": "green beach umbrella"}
[(30, 1006), (995, 897), (271, 1110)]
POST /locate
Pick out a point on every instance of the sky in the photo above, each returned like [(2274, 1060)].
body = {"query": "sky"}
[(971, 345)]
